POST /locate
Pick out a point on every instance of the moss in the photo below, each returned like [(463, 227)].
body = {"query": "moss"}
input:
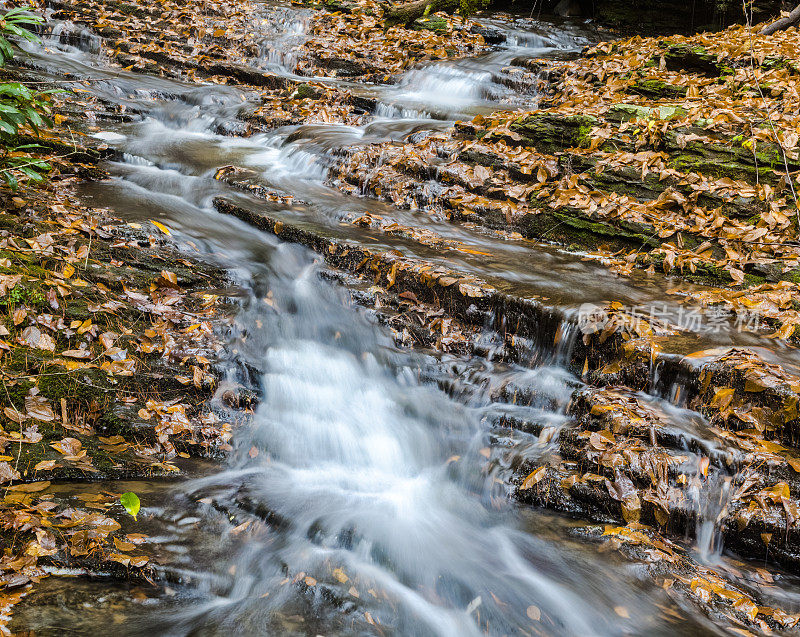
[(16, 392), (629, 112), (573, 227), (704, 274), (306, 91), (719, 167), (112, 423), (792, 275), (680, 57), (434, 23), (583, 136), (133, 10), (549, 133), (85, 386), (27, 294), (752, 280), (770, 156), (657, 89), (625, 180), (780, 62)]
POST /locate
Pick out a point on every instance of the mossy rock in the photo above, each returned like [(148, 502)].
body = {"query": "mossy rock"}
[(549, 133), (682, 57), (727, 158), (572, 227), (434, 23), (630, 112), (657, 89), (306, 91)]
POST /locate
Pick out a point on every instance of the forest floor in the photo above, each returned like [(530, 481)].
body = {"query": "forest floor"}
[(663, 156)]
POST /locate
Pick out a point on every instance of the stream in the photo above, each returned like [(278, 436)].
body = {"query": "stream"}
[(369, 492)]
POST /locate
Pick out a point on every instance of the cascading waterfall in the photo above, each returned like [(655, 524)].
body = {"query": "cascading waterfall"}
[(377, 484), (377, 477)]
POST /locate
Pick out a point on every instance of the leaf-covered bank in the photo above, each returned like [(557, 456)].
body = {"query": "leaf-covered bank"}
[(109, 333)]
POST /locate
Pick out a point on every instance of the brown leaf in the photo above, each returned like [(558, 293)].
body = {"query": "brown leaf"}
[(30, 487), (39, 407), (168, 278), (19, 315), (67, 446), (533, 478), (139, 560), (123, 546), (8, 473), (45, 465), (77, 353), (14, 415)]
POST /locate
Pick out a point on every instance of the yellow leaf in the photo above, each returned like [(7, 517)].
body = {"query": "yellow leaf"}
[(161, 227), (85, 326)]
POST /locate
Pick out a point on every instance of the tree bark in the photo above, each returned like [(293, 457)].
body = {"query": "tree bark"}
[(407, 13), (782, 23)]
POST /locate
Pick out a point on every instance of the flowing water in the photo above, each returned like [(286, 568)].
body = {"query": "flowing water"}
[(365, 498)]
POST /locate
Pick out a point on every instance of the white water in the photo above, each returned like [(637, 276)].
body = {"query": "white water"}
[(361, 464)]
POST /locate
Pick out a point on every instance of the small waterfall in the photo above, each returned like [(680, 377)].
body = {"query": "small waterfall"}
[(709, 496), (68, 34), (282, 35), (355, 452), (440, 88)]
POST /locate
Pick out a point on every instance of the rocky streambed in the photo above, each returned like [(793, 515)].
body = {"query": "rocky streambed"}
[(468, 332)]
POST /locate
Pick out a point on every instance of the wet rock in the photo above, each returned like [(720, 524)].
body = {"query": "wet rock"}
[(554, 132), (344, 67), (247, 75), (490, 35), (693, 58)]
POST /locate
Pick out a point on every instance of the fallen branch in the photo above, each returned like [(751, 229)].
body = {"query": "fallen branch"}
[(407, 13), (782, 23)]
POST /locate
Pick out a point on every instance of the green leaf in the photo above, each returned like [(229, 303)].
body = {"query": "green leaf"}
[(32, 174), (9, 179), (131, 503)]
